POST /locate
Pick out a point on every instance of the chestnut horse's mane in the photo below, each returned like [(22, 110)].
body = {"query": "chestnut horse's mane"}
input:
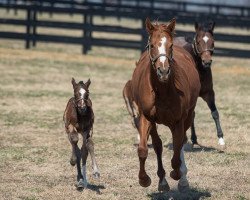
[(163, 27)]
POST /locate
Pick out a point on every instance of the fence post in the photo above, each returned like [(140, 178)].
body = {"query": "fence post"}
[(85, 40), (34, 21), (28, 21)]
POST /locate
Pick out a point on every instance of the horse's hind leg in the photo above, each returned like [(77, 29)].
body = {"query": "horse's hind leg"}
[(209, 98), (144, 129), (157, 144), (193, 133)]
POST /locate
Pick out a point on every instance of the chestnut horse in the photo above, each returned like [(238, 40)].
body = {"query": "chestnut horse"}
[(79, 118), (163, 90), (202, 50)]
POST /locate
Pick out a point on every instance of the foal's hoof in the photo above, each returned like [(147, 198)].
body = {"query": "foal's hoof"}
[(196, 146), (145, 181), (163, 186), (183, 187), (96, 175), (176, 175), (81, 184), (73, 161)]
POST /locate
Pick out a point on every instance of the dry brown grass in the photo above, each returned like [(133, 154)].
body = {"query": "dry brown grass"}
[(34, 150)]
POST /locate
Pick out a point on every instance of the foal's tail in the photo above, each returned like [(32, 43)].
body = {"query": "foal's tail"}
[(130, 104)]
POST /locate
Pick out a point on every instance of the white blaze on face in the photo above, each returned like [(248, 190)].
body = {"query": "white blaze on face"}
[(82, 92), (162, 50), (205, 38)]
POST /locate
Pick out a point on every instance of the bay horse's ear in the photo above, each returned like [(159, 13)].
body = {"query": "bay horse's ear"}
[(88, 83), (196, 26), (171, 25), (149, 26), (73, 82)]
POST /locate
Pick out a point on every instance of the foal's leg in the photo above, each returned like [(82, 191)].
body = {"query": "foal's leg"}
[(73, 139), (83, 182), (144, 129), (178, 140), (210, 99), (90, 148), (157, 144)]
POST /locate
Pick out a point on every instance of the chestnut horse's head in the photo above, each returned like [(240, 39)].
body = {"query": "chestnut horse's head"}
[(204, 42), (81, 93), (160, 47)]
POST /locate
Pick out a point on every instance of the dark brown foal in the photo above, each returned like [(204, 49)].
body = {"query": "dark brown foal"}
[(202, 50), (79, 118)]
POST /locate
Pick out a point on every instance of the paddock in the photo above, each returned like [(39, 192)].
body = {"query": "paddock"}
[(35, 85)]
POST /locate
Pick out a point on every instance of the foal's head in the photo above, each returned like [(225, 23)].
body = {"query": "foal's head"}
[(160, 47), (204, 42), (81, 93)]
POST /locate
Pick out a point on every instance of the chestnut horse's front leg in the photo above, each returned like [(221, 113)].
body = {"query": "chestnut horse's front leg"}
[(178, 141), (144, 129), (157, 144)]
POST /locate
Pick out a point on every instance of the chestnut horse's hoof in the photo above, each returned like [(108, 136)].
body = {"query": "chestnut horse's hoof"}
[(73, 161), (163, 186), (145, 181), (176, 175)]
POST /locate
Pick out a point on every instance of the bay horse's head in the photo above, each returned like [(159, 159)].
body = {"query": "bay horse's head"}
[(160, 47), (81, 94), (204, 42)]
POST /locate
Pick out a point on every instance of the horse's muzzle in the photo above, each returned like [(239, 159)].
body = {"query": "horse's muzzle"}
[(163, 73), (82, 110), (206, 63)]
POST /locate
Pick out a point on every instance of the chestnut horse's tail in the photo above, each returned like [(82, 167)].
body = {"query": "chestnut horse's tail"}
[(131, 105)]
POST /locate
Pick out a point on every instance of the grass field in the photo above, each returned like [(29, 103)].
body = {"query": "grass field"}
[(34, 149)]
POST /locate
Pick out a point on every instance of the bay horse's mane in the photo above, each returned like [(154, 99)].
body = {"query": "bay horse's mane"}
[(206, 26)]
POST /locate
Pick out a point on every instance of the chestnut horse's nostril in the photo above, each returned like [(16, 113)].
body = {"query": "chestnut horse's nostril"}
[(206, 63)]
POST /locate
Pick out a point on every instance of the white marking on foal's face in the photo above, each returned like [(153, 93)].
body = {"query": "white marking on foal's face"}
[(162, 50), (82, 92), (205, 38)]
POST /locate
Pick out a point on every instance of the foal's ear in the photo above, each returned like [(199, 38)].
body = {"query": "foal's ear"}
[(171, 25), (73, 82), (88, 83), (196, 26), (211, 25), (149, 26)]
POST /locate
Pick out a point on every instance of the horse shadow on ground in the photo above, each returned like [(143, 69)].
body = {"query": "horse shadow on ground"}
[(191, 194), (188, 147), (95, 188)]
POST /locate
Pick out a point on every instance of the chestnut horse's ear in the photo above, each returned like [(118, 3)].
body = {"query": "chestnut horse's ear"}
[(88, 83), (149, 26), (73, 82), (171, 25), (196, 26)]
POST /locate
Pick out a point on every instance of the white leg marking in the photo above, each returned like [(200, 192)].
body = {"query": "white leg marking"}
[(138, 137), (85, 182), (221, 141), (162, 50), (183, 181)]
